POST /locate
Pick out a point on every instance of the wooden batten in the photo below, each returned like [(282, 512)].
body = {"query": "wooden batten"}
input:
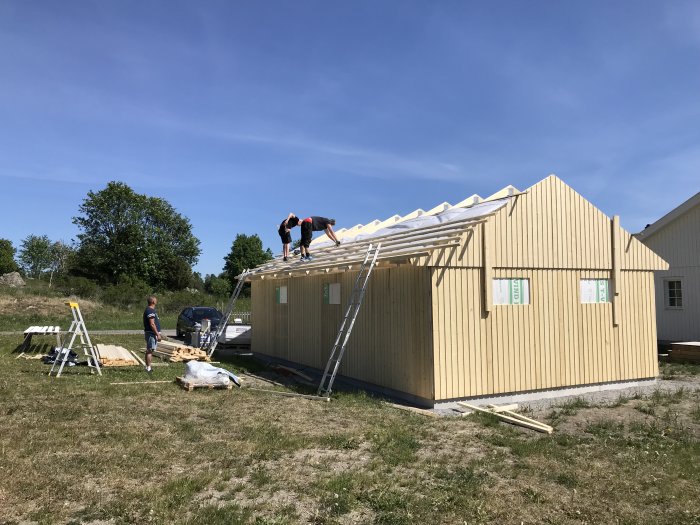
[(616, 269), (487, 287)]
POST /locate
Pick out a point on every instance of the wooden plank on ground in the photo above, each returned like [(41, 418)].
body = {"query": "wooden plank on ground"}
[(512, 418)]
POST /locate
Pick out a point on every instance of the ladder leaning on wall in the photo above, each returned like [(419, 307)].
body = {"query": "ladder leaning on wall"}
[(221, 329), (77, 329), (354, 303)]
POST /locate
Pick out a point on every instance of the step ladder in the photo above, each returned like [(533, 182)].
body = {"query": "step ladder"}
[(354, 303), (210, 346), (77, 330)]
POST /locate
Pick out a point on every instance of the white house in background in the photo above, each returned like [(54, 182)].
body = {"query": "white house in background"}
[(676, 238)]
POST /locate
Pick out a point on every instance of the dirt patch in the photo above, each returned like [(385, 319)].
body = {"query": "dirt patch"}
[(43, 306)]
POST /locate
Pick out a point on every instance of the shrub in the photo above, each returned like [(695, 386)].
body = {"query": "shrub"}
[(127, 293), (80, 286)]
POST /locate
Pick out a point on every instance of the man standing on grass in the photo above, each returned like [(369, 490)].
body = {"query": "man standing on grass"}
[(315, 224), (151, 329)]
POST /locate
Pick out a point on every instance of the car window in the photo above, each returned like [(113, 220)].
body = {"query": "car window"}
[(208, 313)]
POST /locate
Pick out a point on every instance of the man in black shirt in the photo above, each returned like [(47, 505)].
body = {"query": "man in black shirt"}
[(315, 224), (284, 231), (151, 330)]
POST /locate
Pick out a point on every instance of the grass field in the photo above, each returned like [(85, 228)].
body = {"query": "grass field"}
[(80, 450)]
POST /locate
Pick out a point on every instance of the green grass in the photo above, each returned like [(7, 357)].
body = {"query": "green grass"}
[(78, 449)]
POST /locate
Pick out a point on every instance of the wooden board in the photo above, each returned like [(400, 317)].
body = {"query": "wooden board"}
[(112, 355)]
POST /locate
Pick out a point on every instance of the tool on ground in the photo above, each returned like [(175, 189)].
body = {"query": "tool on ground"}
[(77, 330), (354, 303), (221, 329)]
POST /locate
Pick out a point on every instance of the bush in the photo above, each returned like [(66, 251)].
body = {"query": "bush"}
[(79, 286), (174, 302), (128, 293)]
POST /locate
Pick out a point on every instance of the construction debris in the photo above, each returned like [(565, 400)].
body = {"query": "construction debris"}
[(177, 352), (509, 416), (111, 355)]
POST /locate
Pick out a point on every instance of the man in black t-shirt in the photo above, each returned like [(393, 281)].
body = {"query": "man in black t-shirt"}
[(151, 330), (284, 230), (315, 224)]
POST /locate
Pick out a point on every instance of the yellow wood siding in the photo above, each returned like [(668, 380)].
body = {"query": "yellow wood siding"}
[(555, 341), (390, 344), (552, 226)]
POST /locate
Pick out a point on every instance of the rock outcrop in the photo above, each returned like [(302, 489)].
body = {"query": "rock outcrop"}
[(12, 279)]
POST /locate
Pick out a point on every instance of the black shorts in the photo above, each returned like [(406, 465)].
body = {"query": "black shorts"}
[(307, 232), (285, 235)]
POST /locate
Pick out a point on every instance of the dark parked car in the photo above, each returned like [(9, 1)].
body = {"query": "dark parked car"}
[(191, 318)]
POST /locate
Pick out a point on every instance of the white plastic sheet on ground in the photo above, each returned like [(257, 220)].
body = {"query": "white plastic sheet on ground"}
[(206, 374)]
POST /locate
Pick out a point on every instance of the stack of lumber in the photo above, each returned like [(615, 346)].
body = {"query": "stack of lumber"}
[(685, 352), (111, 355), (177, 352)]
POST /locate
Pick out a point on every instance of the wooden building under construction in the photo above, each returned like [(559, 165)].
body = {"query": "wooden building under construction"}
[(522, 291)]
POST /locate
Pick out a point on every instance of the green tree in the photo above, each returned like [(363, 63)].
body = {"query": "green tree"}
[(36, 255), (246, 252), (40, 256), (218, 286), (126, 235), (7, 257)]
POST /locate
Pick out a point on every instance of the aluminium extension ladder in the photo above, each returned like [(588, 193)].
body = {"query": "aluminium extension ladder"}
[(221, 329), (77, 329), (354, 303)]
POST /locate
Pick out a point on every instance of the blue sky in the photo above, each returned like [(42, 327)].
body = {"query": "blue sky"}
[(240, 112)]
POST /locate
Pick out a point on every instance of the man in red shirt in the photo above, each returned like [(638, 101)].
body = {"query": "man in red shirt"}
[(315, 224)]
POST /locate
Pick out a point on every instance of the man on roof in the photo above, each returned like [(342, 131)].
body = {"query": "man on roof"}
[(285, 233), (315, 224)]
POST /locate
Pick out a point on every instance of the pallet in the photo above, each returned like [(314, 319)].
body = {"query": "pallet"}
[(189, 385), (685, 352)]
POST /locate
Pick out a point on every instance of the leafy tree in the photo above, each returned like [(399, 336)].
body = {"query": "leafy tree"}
[(36, 255), (40, 256), (246, 252), (126, 235), (218, 286), (7, 257), (196, 281)]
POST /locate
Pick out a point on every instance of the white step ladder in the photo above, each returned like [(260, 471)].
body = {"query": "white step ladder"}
[(221, 329), (354, 303), (77, 329)]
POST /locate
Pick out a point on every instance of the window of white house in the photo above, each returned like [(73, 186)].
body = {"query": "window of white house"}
[(511, 291), (595, 291), (331, 293), (281, 294), (673, 293)]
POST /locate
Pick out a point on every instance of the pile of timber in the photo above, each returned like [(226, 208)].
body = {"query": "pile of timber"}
[(111, 355), (177, 352), (685, 352)]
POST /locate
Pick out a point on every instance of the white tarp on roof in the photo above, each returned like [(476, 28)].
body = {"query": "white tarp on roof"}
[(422, 221)]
